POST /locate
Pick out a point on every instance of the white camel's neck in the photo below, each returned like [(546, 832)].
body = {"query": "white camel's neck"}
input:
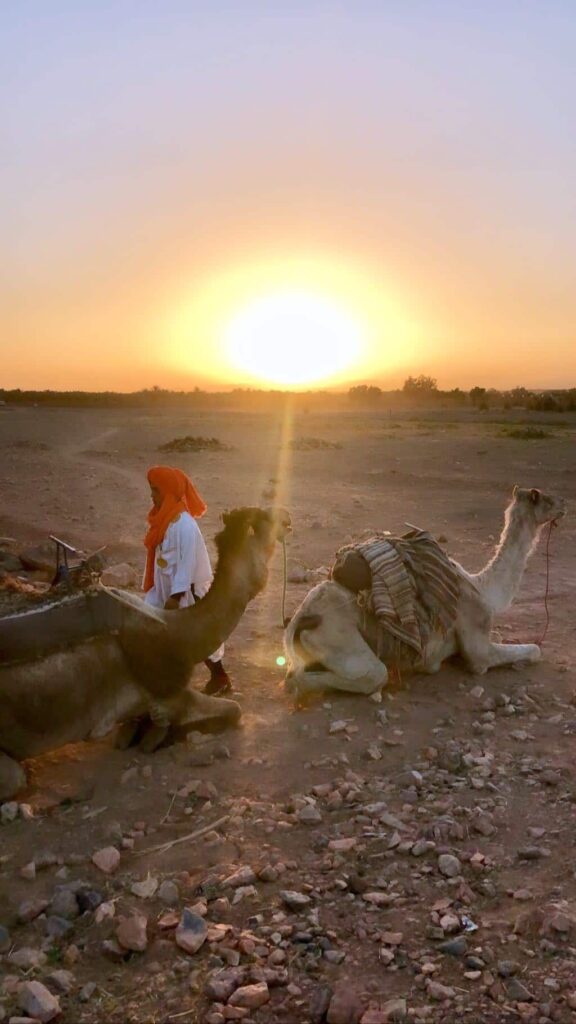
[(500, 579)]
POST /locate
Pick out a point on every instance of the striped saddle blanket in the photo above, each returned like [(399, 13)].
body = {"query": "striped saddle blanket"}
[(408, 583)]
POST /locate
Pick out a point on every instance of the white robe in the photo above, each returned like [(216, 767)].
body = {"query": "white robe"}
[(180, 562)]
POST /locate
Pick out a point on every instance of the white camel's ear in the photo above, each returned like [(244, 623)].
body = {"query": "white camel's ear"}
[(515, 490), (535, 495)]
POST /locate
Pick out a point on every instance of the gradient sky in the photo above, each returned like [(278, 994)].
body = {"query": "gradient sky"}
[(166, 163)]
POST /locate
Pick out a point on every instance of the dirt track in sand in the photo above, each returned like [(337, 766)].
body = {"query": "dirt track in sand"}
[(81, 474)]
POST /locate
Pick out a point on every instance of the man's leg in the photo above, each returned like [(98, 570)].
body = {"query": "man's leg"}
[(219, 681)]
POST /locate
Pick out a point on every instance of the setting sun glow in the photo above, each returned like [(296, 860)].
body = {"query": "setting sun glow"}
[(293, 338)]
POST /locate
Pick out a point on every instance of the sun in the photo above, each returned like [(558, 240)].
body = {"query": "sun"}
[(293, 338)]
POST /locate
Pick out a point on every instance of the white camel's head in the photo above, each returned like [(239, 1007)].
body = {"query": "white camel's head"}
[(538, 507), (324, 646)]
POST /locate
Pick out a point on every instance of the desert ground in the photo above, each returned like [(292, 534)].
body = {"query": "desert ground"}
[(317, 866)]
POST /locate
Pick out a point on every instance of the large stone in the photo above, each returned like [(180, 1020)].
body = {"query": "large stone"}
[(131, 933), (121, 575), (42, 556), (191, 932), (27, 958), (38, 1002), (250, 997), (449, 866), (345, 1007)]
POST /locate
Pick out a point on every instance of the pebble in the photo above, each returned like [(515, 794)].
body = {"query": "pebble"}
[(294, 900), (169, 893), (191, 932), (250, 997), (5, 939), (65, 904), (27, 958), (35, 999), (31, 909), (62, 981), (220, 986), (449, 866), (87, 991), (107, 860), (439, 992), (146, 888), (454, 947), (309, 815), (345, 1007), (533, 853), (244, 875), (28, 871), (131, 932), (8, 812), (518, 992)]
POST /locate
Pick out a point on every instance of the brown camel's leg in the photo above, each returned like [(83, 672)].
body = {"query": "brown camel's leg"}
[(12, 777), (154, 736), (130, 733)]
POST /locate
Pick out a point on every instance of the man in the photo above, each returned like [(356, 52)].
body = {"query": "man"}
[(178, 569)]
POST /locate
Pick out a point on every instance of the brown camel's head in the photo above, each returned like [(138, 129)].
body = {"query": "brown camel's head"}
[(540, 507), (247, 541)]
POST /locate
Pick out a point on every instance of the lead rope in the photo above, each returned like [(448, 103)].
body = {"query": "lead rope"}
[(547, 623), (285, 621)]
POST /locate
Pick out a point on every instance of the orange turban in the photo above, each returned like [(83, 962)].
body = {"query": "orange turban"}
[(178, 495)]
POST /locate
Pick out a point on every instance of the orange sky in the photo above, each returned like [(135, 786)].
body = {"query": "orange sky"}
[(409, 165)]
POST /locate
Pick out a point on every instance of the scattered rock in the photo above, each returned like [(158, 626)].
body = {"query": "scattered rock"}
[(169, 893), (449, 866), (454, 947), (145, 889), (250, 997), (243, 876), (131, 933), (309, 815), (64, 904), (345, 1007), (294, 900), (62, 981), (35, 999), (8, 812), (439, 992), (191, 932), (107, 860)]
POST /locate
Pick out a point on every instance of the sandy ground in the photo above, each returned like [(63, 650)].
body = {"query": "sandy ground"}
[(479, 769)]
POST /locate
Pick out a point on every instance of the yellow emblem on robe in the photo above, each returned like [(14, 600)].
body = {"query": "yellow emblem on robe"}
[(161, 562)]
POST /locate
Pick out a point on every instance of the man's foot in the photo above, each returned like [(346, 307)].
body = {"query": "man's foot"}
[(219, 682)]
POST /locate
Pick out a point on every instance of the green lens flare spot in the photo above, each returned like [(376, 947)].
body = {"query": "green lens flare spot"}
[(280, 660)]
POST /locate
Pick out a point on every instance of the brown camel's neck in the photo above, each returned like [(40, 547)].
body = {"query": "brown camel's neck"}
[(201, 628)]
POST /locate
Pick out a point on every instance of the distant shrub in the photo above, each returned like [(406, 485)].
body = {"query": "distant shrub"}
[(306, 444), (194, 444), (526, 433)]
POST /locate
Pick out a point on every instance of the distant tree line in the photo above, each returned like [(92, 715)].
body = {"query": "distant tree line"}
[(420, 391), (424, 391)]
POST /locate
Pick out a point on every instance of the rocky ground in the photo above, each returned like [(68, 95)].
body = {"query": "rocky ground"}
[(403, 857)]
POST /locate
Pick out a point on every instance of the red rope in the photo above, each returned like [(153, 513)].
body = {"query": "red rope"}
[(547, 623)]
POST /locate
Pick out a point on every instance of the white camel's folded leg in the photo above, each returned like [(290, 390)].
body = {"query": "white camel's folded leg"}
[(513, 654)]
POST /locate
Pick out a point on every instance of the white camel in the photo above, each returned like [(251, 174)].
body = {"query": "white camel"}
[(330, 642)]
